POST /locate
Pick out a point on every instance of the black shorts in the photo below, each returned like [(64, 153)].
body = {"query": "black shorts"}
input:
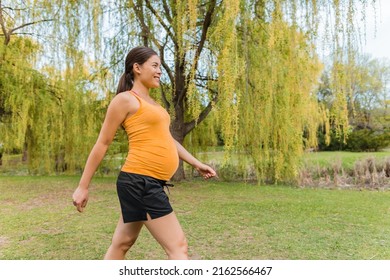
[(139, 195)]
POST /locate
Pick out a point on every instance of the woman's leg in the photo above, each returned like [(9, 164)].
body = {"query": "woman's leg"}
[(168, 232), (124, 237)]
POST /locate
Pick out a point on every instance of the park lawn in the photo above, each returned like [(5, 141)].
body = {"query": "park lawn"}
[(221, 220), (345, 159)]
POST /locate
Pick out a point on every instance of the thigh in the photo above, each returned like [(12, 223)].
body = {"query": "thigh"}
[(126, 232), (166, 230)]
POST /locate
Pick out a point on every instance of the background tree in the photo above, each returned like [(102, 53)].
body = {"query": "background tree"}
[(277, 103), (197, 45), (201, 46), (252, 62), (367, 112), (48, 115)]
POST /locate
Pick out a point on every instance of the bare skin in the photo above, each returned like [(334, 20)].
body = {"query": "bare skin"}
[(166, 230)]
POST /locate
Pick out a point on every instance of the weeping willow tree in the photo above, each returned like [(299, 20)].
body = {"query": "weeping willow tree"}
[(48, 115), (279, 112), (270, 113), (251, 65), (197, 42)]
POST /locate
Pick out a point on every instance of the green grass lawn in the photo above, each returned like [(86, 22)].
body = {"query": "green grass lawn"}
[(323, 159), (346, 159), (221, 221)]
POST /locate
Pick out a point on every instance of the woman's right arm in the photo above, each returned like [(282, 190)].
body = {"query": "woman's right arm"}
[(119, 108)]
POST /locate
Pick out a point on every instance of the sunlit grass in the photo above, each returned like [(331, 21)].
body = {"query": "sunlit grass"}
[(346, 159), (221, 221)]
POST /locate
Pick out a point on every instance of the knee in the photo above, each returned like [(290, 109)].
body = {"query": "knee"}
[(124, 243), (179, 250)]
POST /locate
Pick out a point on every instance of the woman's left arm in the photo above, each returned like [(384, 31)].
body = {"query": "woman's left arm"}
[(205, 170)]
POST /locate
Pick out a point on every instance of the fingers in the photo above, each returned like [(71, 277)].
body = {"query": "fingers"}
[(80, 199), (209, 173), (79, 206), (208, 176), (206, 171)]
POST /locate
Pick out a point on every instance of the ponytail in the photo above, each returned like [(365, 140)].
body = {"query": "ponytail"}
[(125, 83)]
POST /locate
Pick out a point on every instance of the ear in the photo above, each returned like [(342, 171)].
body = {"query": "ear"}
[(136, 68)]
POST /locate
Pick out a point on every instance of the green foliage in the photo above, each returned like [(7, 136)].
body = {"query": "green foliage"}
[(251, 63), (277, 105), (359, 140), (368, 114), (53, 121), (48, 112), (365, 140)]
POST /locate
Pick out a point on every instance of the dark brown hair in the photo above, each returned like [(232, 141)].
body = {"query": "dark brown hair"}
[(136, 55)]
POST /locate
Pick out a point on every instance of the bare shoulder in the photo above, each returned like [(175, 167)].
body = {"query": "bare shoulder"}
[(125, 102)]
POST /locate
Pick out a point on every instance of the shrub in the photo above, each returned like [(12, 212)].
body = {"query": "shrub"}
[(359, 140)]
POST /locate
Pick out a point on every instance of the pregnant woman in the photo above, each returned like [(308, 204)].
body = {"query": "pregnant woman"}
[(152, 159)]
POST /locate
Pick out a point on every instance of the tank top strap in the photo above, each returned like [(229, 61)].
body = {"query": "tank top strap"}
[(133, 93)]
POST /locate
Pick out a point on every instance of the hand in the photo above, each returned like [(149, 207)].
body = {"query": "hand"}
[(80, 198), (206, 171)]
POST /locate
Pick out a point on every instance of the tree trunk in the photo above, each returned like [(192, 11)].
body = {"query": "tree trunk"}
[(177, 126), (179, 174), (25, 153), (178, 133)]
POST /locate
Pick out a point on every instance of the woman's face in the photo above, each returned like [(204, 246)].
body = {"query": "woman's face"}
[(149, 73)]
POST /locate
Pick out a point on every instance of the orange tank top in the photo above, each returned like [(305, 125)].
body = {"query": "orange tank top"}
[(152, 150)]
